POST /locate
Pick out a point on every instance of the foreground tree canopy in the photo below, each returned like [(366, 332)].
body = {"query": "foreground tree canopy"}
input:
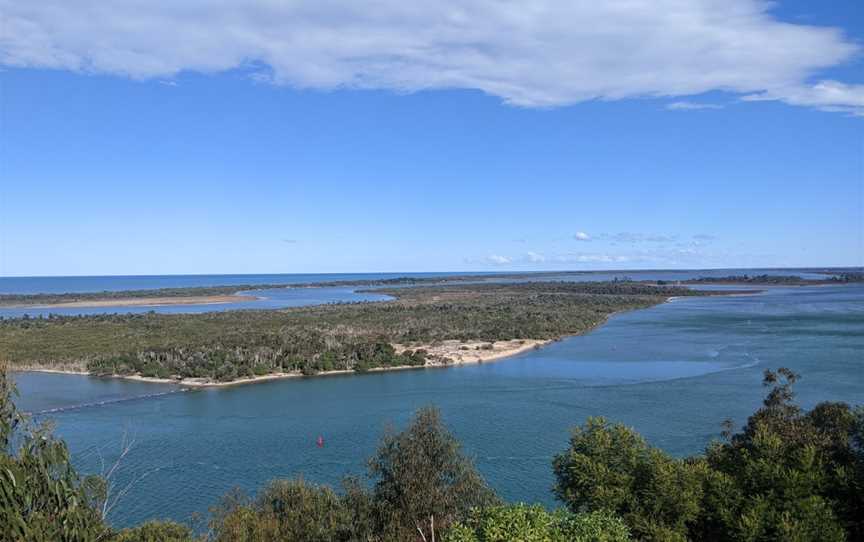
[(787, 475)]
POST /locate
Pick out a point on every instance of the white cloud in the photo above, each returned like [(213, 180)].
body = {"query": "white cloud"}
[(539, 54), (534, 257), (498, 259), (581, 236), (635, 238), (581, 257), (826, 95), (691, 106)]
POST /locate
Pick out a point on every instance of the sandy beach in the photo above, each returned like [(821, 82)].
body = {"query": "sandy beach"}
[(442, 354), (142, 302), (446, 353)]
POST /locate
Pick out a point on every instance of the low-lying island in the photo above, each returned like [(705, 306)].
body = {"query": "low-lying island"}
[(425, 326)]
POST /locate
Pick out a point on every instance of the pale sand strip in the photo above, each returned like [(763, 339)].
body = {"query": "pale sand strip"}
[(443, 354), (446, 353), (142, 302)]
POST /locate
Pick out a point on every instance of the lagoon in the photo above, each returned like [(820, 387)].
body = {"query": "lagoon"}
[(286, 297), (674, 372)]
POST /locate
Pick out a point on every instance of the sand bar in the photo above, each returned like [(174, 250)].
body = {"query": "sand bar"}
[(141, 302)]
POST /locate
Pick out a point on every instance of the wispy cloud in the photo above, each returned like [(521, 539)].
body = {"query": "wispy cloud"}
[(691, 106), (636, 238), (581, 236), (688, 253), (534, 257), (290, 241), (831, 96), (589, 257), (555, 53), (497, 259)]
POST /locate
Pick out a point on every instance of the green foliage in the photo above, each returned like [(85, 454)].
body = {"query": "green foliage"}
[(532, 523), (155, 531), (423, 482), (284, 510), (41, 495), (610, 467), (788, 475), (794, 280)]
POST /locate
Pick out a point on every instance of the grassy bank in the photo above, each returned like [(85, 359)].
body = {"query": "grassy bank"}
[(224, 346)]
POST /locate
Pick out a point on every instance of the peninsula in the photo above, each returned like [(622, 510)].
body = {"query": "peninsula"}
[(424, 326)]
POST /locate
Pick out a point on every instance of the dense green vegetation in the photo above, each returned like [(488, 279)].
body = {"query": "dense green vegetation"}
[(351, 336), (42, 498), (778, 280), (533, 523), (848, 276), (788, 475)]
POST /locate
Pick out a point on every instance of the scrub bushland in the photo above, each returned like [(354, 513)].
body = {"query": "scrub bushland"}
[(227, 345)]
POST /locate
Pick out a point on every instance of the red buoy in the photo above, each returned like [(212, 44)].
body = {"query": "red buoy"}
[(320, 441)]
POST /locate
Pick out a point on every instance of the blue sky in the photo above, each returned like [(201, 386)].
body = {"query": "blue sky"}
[(399, 150)]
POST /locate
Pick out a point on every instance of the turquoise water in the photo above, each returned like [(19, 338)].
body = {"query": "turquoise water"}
[(674, 372)]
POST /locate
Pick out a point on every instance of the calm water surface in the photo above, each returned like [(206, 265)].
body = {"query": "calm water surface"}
[(674, 372), (276, 298), (279, 298)]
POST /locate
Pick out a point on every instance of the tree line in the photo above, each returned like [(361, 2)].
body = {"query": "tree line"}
[(778, 280)]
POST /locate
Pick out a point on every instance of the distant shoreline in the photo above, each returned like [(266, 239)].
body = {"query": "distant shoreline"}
[(141, 302), (226, 294), (45, 300)]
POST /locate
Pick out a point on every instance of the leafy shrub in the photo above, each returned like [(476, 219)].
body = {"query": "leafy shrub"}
[(284, 510), (532, 523), (42, 498), (788, 475), (611, 467), (155, 531)]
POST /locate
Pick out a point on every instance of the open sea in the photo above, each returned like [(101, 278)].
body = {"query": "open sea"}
[(674, 372)]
